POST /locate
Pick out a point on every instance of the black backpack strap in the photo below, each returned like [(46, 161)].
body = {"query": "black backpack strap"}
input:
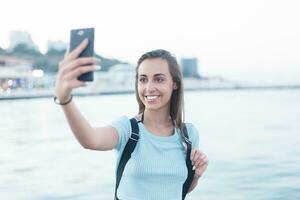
[(188, 162), (126, 154)]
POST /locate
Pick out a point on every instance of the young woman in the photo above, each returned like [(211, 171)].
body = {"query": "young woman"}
[(157, 168)]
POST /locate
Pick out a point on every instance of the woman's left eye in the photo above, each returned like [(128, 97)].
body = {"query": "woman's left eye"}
[(159, 80)]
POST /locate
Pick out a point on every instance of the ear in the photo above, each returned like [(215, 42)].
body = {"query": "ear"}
[(175, 87)]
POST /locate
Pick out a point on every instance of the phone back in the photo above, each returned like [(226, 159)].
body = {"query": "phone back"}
[(77, 36)]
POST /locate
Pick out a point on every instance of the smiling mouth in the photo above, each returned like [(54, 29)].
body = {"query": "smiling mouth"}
[(151, 97)]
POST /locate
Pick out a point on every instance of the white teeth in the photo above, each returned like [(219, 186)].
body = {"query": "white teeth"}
[(151, 97)]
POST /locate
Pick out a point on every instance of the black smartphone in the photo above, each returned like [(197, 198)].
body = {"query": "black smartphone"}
[(77, 36)]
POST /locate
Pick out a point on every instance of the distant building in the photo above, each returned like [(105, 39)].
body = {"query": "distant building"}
[(14, 73), (119, 76), (21, 37), (122, 72), (56, 45), (11, 61), (190, 67)]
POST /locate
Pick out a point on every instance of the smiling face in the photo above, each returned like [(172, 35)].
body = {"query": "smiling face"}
[(155, 84), (159, 84)]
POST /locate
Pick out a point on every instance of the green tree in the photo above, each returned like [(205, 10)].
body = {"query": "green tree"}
[(24, 49), (55, 52), (49, 61), (106, 63)]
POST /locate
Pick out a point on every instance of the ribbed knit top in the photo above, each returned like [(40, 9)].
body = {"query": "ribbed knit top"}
[(157, 168)]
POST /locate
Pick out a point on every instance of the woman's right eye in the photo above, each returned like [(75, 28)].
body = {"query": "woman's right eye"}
[(142, 80)]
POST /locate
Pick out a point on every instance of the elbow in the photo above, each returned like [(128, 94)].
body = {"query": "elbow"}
[(87, 146), (94, 146), (87, 142)]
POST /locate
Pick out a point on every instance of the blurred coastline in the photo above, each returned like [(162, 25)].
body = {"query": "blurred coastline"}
[(107, 84), (27, 73)]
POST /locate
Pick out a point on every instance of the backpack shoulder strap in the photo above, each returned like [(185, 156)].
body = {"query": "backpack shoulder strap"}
[(188, 162), (126, 154)]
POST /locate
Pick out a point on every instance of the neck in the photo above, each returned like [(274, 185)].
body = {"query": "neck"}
[(157, 117)]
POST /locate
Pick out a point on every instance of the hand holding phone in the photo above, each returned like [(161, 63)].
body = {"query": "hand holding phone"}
[(77, 36)]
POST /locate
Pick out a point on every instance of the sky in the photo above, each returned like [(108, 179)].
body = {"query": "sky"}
[(254, 41)]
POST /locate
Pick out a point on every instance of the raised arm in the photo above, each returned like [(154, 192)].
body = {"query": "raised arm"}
[(102, 138)]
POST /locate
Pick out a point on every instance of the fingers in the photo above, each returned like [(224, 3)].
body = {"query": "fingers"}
[(204, 163), (201, 167), (76, 52), (78, 63), (80, 70), (203, 160), (68, 74), (198, 158), (70, 68), (193, 152)]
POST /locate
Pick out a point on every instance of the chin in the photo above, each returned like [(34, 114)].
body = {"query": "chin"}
[(154, 107), (151, 107)]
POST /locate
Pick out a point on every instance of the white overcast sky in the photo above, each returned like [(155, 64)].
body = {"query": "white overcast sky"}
[(255, 40)]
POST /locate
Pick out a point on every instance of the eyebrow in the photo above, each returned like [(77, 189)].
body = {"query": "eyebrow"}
[(155, 75)]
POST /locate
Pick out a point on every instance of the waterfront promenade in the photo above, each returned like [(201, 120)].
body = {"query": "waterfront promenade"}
[(46, 93)]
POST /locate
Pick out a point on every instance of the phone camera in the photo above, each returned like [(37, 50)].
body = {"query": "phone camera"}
[(81, 32)]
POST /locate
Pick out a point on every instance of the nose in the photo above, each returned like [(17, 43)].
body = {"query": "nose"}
[(150, 87)]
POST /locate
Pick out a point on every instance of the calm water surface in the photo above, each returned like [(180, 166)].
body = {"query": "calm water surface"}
[(252, 139)]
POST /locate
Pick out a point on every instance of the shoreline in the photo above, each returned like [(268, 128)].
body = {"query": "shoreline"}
[(37, 95)]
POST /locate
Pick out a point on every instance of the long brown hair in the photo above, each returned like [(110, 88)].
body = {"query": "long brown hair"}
[(176, 105)]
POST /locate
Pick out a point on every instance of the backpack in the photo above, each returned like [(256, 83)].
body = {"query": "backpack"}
[(130, 146)]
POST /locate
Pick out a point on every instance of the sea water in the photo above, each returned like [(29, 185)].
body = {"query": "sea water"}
[(251, 137)]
